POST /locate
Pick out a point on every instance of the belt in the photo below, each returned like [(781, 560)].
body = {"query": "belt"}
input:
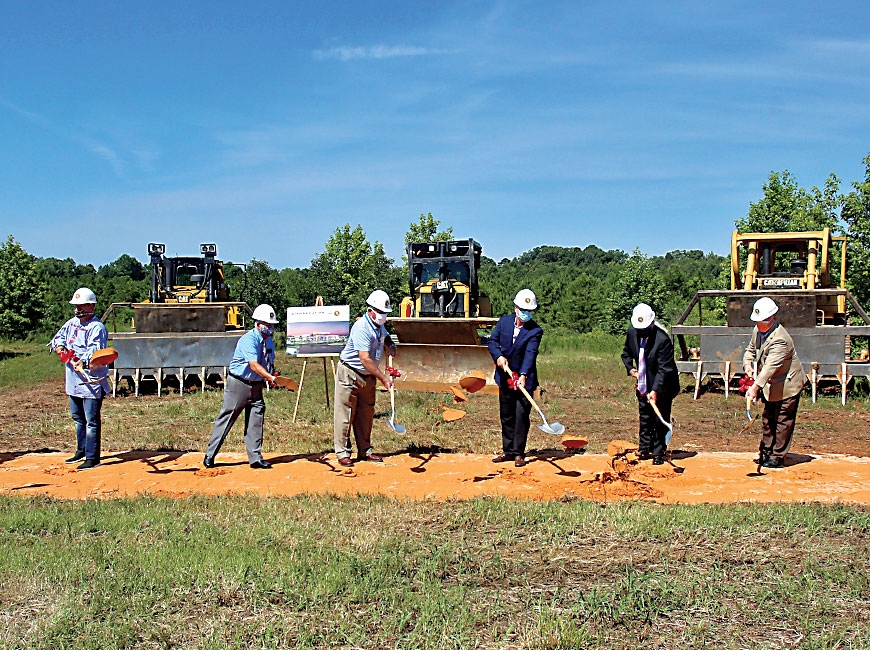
[(249, 382), (347, 365)]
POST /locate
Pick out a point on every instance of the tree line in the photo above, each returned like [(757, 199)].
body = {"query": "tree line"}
[(579, 289)]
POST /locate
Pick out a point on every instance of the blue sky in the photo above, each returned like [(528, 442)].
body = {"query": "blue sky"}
[(264, 126)]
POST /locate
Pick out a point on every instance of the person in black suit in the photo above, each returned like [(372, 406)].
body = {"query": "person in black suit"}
[(513, 345), (648, 356)]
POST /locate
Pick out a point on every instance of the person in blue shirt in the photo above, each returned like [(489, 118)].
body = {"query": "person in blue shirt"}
[(513, 346), (356, 378), (82, 335), (252, 365)]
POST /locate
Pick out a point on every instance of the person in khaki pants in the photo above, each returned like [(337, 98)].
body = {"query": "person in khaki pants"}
[(356, 378), (779, 378)]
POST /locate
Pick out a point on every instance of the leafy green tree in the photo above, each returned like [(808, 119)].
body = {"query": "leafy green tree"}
[(21, 295), (637, 281), (264, 286), (787, 207), (426, 229), (856, 216), (125, 266), (59, 279), (350, 268)]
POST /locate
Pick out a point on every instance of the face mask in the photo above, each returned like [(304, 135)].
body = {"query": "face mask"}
[(524, 316), (379, 319), (267, 330)]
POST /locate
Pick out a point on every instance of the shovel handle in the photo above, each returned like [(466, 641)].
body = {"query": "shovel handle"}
[(659, 413), (525, 392)]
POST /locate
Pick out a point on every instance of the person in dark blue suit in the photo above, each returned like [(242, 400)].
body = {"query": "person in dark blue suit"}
[(513, 345)]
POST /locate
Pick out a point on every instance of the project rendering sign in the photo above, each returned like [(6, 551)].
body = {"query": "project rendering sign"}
[(317, 331)]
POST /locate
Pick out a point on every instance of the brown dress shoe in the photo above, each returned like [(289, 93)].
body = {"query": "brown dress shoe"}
[(519, 461), (345, 462), (372, 458), (502, 458)]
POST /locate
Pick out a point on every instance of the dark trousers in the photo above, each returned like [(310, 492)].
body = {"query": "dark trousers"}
[(778, 420), (651, 430), (85, 413), (513, 410)]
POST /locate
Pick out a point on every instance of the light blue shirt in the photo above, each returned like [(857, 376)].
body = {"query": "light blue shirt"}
[(252, 347), (84, 340), (367, 337)]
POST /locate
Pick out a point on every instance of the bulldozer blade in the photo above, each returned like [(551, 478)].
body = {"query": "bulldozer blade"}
[(436, 367), (441, 331)]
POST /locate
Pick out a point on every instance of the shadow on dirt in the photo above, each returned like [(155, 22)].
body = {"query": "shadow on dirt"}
[(6, 456)]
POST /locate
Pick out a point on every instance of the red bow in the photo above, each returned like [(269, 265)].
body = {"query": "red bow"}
[(745, 382), (68, 355), (392, 372), (512, 381)]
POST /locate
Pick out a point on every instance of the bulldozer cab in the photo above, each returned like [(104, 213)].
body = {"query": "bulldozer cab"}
[(442, 278), (792, 261), (194, 281)]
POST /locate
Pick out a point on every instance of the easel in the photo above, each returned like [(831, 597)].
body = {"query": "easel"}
[(317, 303)]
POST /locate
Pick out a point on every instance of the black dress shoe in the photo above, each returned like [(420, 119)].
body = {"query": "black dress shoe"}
[(90, 463), (772, 463), (643, 454), (658, 460), (208, 462), (79, 455), (261, 464)]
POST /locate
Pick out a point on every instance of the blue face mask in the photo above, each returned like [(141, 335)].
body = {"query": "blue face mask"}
[(524, 316), (267, 330)]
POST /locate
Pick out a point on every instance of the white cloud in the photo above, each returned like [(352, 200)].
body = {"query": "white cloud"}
[(346, 53)]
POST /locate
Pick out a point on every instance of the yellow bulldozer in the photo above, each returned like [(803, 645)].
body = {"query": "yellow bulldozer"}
[(805, 273), (188, 326), (443, 324)]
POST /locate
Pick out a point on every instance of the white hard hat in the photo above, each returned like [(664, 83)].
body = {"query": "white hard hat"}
[(642, 316), (84, 296), (379, 300), (763, 309), (265, 314), (526, 300)]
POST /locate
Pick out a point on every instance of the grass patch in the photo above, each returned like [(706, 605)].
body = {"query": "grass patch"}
[(25, 363), (315, 572)]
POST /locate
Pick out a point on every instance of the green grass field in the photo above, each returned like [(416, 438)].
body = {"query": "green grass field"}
[(374, 573), (328, 572)]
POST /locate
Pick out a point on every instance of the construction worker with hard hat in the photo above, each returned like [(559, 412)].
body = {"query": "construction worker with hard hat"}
[(513, 346), (648, 357), (75, 343), (772, 362), (252, 365), (356, 379)]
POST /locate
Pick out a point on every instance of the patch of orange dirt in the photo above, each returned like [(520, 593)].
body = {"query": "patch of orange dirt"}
[(717, 477)]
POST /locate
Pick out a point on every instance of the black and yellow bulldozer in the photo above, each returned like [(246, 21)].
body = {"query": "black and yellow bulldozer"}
[(443, 324), (805, 274), (189, 326)]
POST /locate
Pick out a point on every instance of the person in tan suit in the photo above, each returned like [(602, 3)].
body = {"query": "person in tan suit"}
[(770, 359)]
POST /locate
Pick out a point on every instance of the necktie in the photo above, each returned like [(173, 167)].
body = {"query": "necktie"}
[(641, 368)]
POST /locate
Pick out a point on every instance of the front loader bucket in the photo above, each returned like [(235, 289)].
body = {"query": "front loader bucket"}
[(437, 367)]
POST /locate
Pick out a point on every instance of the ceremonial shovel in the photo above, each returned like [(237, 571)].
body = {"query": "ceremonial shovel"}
[(398, 428), (669, 425), (556, 429)]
